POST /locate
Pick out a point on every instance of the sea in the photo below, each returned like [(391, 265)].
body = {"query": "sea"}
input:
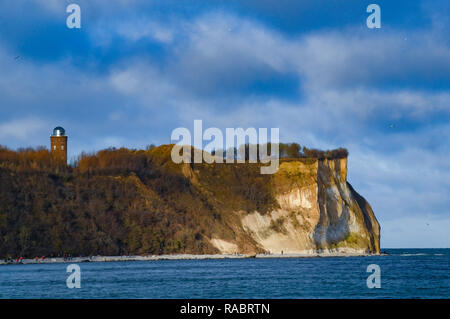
[(403, 273)]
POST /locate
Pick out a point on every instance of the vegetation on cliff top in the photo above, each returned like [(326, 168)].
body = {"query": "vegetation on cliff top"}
[(121, 201)]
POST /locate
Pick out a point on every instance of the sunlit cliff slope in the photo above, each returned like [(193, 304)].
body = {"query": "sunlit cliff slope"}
[(139, 202)]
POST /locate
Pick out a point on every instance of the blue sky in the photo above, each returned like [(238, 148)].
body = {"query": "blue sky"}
[(138, 69)]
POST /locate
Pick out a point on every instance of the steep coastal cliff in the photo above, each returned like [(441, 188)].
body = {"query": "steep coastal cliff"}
[(315, 210), (123, 201)]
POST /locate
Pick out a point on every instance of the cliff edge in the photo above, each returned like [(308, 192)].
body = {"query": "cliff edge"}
[(314, 210)]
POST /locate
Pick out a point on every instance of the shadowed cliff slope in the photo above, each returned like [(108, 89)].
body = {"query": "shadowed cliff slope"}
[(139, 202)]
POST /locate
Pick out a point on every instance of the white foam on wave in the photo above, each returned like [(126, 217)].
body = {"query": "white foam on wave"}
[(419, 254)]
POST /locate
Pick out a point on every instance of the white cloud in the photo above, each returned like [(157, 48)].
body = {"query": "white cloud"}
[(145, 29), (220, 48), (22, 129), (139, 29)]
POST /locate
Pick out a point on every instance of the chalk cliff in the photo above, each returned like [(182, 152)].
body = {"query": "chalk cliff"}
[(315, 211), (124, 201)]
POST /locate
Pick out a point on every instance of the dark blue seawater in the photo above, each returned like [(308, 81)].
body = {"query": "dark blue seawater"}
[(405, 273)]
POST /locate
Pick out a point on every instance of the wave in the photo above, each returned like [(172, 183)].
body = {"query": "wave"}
[(418, 254)]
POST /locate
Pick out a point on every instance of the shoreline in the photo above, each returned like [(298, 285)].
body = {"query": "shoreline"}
[(54, 260)]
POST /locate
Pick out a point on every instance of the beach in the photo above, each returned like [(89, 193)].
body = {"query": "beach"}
[(176, 257)]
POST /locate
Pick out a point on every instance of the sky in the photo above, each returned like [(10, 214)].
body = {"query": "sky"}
[(136, 70)]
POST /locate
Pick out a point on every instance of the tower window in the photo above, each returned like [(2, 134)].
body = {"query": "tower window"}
[(62, 147), (54, 147)]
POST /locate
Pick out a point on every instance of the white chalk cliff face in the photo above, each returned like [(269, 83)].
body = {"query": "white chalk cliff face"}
[(318, 212)]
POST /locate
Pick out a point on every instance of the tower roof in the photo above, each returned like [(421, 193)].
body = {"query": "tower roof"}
[(59, 131)]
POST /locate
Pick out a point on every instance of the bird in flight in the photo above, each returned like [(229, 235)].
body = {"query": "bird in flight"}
[(17, 57)]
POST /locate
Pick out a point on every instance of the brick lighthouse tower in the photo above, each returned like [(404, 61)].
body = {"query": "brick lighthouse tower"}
[(58, 144)]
